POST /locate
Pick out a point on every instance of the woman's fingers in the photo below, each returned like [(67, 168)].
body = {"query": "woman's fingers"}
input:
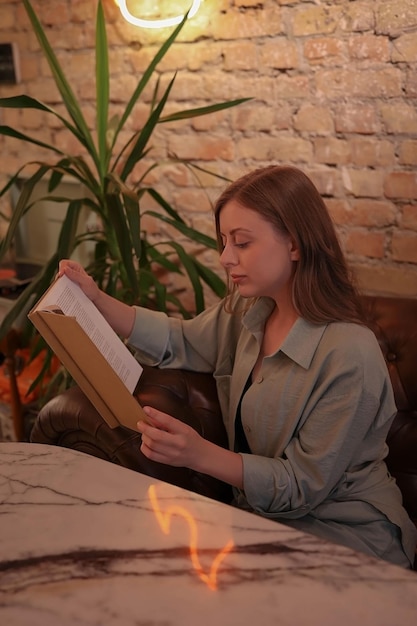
[(78, 275), (164, 438), (161, 420)]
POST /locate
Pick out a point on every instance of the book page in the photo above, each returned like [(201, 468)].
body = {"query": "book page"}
[(68, 297)]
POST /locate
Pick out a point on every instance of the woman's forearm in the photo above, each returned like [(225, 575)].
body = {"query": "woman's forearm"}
[(221, 463), (119, 315)]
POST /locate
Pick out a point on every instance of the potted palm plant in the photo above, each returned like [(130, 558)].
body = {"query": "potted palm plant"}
[(125, 262)]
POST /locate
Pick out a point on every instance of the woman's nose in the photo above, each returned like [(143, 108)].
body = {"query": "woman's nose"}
[(227, 258)]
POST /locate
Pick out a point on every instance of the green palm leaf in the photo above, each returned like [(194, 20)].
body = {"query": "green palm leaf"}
[(61, 82), (147, 75), (140, 144), (10, 132), (102, 90), (189, 266), (212, 108), (191, 233), (27, 102)]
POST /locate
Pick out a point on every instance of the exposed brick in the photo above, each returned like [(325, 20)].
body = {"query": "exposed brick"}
[(371, 152), (401, 185), (410, 83), (328, 182), (369, 47), (45, 90), (314, 119), (29, 67), (32, 119), (191, 55), (185, 88), (363, 183), (246, 3), (365, 243), (408, 152), (80, 64), (82, 11), (10, 159), (404, 247), (409, 217), (332, 151), (66, 142), (314, 20), (220, 86), (404, 49), (334, 89), (280, 53), (255, 116), (357, 16), (340, 211), (280, 148), (60, 14), (287, 87), (325, 50), (177, 174), (240, 55), (8, 19), (209, 122), (251, 23), (394, 16), (192, 200), (366, 83), (10, 117), (399, 118), (350, 118), (373, 213), (202, 147)]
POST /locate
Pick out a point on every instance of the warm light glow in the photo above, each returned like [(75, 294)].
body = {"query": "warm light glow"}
[(164, 520), (162, 23)]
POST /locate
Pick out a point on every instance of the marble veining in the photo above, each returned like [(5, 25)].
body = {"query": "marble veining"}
[(84, 542)]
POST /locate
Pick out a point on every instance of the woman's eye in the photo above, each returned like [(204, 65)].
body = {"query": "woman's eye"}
[(242, 245)]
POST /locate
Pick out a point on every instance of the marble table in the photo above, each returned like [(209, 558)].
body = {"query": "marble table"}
[(83, 542)]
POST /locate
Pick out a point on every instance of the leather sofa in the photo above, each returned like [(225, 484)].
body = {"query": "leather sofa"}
[(70, 420)]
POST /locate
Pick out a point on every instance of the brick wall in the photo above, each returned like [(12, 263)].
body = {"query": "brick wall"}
[(334, 87)]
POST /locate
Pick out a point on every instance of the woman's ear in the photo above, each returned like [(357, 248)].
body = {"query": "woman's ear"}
[(294, 251)]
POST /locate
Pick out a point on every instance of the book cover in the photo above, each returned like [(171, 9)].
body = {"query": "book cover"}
[(94, 355)]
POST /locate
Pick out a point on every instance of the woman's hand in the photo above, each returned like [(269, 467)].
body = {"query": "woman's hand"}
[(78, 275), (119, 315), (170, 441)]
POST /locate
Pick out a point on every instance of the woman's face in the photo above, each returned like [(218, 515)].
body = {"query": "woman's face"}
[(258, 259)]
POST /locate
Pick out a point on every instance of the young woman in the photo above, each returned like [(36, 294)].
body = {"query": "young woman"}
[(304, 390)]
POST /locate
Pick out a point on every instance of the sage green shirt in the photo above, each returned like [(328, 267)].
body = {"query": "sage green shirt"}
[(316, 419)]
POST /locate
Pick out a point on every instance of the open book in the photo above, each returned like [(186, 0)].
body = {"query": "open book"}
[(87, 346)]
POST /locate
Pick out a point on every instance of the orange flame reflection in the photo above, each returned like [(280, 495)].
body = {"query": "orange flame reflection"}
[(164, 520)]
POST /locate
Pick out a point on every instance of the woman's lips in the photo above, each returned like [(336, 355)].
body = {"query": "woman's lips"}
[(237, 278)]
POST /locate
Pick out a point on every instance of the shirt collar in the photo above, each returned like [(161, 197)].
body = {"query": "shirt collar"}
[(301, 342)]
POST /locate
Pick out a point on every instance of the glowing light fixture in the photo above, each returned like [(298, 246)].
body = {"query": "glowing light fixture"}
[(162, 23)]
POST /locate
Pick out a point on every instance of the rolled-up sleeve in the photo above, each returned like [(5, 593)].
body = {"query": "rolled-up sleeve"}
[(150, 335), (194, 344)]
